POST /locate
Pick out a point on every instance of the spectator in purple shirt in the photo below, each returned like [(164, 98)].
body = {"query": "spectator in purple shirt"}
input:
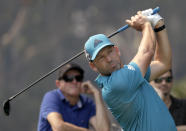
[(65, 109)]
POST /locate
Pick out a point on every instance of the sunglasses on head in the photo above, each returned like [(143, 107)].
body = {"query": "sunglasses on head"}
[(167, 79), (78, 78)]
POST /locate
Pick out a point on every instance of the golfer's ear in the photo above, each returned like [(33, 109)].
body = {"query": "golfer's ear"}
[(117, 50), (93, 67)]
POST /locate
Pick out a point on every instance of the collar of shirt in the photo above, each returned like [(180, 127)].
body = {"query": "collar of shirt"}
[(100, 80), (62, 97), (175, 102)]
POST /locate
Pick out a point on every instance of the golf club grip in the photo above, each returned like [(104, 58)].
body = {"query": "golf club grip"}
[(155, 10)]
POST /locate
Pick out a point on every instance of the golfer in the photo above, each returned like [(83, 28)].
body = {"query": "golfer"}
[(125, 88)]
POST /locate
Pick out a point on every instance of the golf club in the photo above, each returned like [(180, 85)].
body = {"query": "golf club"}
[(6, 103)]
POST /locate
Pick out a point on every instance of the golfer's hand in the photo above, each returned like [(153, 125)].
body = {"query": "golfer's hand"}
[(155, 19), (138, 21), (88, 88)]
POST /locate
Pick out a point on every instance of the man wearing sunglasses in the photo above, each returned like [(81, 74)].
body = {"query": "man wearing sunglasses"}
[(65, 109), (177, 107)]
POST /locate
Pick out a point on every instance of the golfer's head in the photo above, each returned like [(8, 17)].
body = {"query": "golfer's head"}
[(104, 57), (95, 44)]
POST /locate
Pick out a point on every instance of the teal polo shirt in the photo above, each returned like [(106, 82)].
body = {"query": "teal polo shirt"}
[(133, 102)]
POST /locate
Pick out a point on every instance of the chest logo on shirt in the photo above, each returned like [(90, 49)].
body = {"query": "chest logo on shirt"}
[(130, 67)]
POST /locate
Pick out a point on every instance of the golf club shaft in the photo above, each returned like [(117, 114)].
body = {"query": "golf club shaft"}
[(41, 78), (64, 63)]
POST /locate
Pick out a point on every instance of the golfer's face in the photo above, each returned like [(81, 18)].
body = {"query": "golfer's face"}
[(108, 60)]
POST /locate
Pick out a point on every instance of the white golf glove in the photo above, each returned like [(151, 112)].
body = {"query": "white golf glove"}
[(152, 18), (147, 12)]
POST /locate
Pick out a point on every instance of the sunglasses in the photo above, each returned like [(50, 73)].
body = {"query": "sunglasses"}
[(78, 78), (167, 79)]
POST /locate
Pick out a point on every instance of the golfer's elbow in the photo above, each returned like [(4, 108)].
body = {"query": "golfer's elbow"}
[(148, 53)]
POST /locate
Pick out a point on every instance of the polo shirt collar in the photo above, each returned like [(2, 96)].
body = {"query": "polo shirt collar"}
[(175, 102), (100, 80), (62, 97), (79, 104)]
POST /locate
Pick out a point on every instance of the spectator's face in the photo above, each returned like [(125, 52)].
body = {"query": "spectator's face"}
[(163, 83), (107, 60), (71, 83)]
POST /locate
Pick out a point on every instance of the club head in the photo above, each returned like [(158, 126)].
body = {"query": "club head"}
[(6, 107)]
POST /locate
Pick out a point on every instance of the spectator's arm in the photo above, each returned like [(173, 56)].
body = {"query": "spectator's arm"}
[(56, 121), (100, 121)]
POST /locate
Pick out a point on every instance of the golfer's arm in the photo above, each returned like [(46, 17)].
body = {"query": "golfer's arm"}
[(57, 123), (163, 55), (100, 121), (146, 49)]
